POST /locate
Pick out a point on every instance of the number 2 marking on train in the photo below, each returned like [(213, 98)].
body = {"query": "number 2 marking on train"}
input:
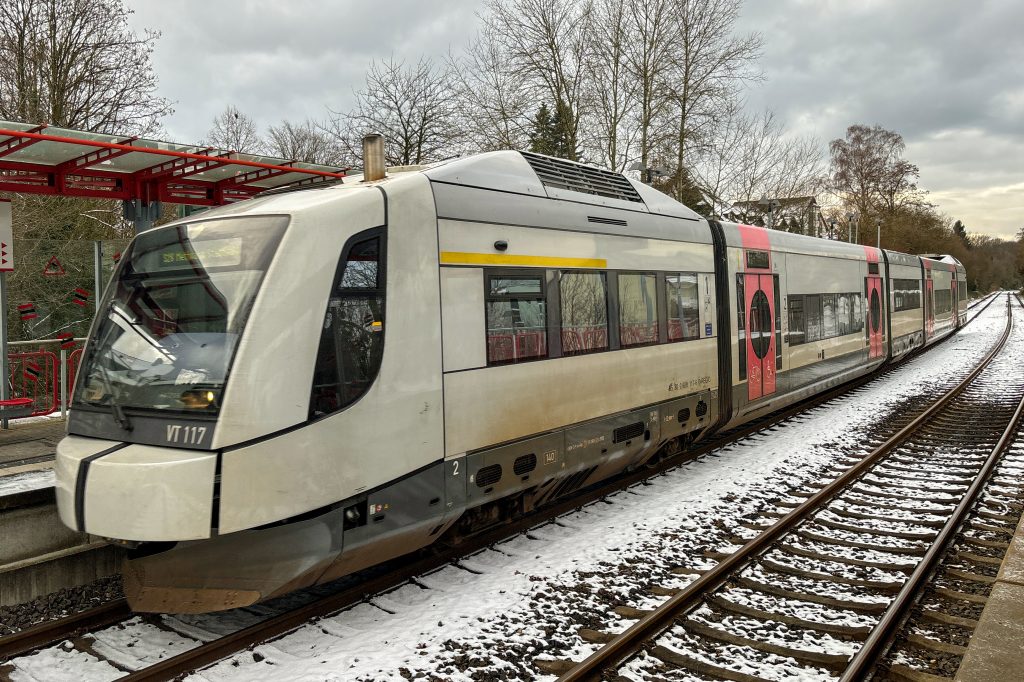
[(190, 435), (455, 468)]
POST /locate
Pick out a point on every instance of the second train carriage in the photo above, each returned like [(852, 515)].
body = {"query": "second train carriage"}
[(285, 391)]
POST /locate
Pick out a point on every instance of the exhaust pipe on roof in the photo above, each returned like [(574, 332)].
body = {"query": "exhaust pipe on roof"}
[(373, 158)]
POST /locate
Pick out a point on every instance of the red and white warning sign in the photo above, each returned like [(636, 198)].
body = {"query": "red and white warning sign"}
[(53, 268), (6, 236)]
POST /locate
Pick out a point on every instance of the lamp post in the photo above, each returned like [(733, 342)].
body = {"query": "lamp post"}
[(878, 236), (849, 227), (832, 229)]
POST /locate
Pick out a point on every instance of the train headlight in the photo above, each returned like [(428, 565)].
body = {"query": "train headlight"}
[(198, 398)]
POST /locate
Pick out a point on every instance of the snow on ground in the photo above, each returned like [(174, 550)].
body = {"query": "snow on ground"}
[(489, 615), (483, 617), (30, 480)]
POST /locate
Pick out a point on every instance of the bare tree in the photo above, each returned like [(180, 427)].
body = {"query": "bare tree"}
[(773, 164), (77, 64), (649, 56), (549, 42), (869, 172), (304, 141), (493, 104), (709, 66), (234, 131), (411, 106), (611, 88)]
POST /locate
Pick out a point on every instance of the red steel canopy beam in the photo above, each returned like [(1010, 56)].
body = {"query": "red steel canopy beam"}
[(93, 157), (162, 152), (20, 142), (167, 181)]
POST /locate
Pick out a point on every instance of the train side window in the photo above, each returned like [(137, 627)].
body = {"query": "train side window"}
[(857, 310), (844, 314), (683, 304), (638, 309), (584, 306), (516, 317), (812, 313), (352, 336), (796, 320), (963, 291), (828, 316), (906, 294)]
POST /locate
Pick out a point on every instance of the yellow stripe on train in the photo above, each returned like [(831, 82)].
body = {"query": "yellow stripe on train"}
[(462, 258)]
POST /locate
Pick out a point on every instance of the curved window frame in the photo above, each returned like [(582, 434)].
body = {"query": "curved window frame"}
[(337, 292)]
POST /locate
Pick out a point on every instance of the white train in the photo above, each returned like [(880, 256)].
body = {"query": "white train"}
[(287, 390)]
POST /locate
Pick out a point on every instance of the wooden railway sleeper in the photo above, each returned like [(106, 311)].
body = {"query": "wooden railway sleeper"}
[(968, 575), (833, 662), (982, 542), (962, 596), (680, 660), (815, 537), (935, 510), (951, 490), (880, 585), (867, 492), (882, 532), (855, 633), (928, 523), (868, 608), (862, 563)]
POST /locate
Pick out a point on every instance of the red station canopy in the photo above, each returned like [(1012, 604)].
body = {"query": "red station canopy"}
[(72, 163)]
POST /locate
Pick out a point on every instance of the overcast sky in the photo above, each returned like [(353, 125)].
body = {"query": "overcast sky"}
[(946, 74)]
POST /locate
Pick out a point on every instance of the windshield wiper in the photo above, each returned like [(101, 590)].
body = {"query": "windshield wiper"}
[(115, 407)]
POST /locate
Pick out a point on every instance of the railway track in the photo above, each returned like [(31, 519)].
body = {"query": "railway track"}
[(273, 622), (821, 586)]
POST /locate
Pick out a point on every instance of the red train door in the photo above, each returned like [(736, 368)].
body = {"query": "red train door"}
[(759, 295), (873, 289), (874, 293)]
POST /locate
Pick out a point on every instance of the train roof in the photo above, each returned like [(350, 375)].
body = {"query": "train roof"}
[(522, 188), (792, 242), (900, 258)]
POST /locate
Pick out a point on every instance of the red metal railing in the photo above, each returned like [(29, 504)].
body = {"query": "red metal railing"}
[(35, 375)]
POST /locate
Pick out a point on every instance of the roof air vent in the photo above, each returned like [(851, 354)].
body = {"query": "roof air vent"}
[(576, 177)]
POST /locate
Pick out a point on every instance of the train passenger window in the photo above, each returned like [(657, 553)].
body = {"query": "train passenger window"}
[(828, 316), (812, 313), (516, 317), (906, 294), (683, 303), (796, 320), (963, 290), (857, 308), (844, 314), (638, 309), (352, 336), (584, 300), (943, 301)]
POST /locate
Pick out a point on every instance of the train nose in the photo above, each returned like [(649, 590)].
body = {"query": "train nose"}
[(134, 492)]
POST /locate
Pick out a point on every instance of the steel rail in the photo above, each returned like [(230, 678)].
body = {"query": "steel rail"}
[(625, 644), (44, 634), (210, 652), (881, 637)]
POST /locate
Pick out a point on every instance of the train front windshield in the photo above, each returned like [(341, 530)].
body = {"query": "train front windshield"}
[(168, 328)]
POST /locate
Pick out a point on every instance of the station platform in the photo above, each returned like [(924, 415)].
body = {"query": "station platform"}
[(996, 650), (28, 441)]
